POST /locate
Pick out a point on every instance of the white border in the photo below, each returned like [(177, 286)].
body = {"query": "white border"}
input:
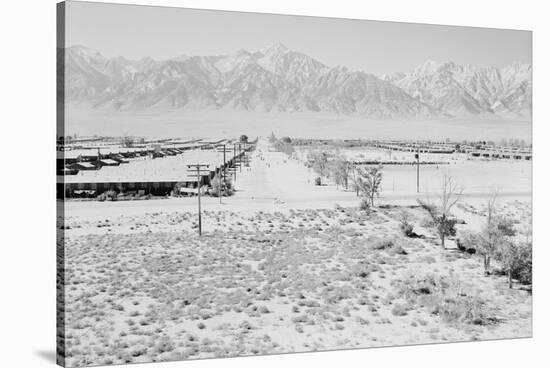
[(27, 255)]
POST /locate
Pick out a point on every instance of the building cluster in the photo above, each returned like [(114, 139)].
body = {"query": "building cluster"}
[(421, 147), (474, 150), (491, 151), (153, 167)]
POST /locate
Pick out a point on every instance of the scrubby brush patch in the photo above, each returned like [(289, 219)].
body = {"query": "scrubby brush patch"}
[(269, 285)]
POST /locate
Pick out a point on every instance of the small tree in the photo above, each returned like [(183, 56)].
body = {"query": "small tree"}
[(356, 181), (371, 180), (228, 189), (176, 191), (340, 169), (490, 236), (243, 138), (440, 213), (286, 140), (319, 162), (514, 257), (525, 273), (221, 188), (127, 141), (405, 224), (496, 231), (284, 147), (216, 185), (496, 240), (364, 204)]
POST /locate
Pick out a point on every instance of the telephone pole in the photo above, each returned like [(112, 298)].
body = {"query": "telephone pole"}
[(199, 170), (240, 159), (220, 184), (244, 153), (417, 169), (235, 161), (222, 148)]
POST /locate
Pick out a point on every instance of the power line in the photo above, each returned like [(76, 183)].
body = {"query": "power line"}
[(198, 171), (222, 148)]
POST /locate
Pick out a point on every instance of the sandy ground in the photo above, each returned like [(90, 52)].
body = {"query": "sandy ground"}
[(283, 266)]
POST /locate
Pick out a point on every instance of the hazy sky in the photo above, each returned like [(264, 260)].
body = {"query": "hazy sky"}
[(376, 47)]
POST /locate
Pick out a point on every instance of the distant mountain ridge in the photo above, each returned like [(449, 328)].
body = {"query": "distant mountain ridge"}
[(278, 79), (464, 89)]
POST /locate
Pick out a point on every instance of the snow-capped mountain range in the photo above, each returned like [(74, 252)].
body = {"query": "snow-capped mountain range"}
[(278, 79)]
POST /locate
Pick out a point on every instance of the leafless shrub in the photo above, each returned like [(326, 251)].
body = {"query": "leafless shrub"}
[(440, 211)]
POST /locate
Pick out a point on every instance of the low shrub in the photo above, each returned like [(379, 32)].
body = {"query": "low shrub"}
[(404, 224), (138, 351), (463, 309), (176, 191), (364, 205), (109, 195), (399, 310), (164, 345), (382, 243), (398, 249), (415, 285), (446, 298), (467, 242)]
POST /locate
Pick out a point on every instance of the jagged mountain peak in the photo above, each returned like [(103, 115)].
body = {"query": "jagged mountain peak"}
[(180, 58), (276, 48), (429, 66), (456, 89), (278, 78)]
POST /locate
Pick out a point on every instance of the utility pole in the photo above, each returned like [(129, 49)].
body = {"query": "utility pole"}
[(417, 169), (240, 160), (198, 171), (222, 148), (235, 161), (98, 158), (244, 153), (220, 184)]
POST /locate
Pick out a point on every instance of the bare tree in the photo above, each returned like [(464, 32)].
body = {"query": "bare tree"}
[(340, 168), (491, 235), (497, 239), (371, 181), (440, 211), (356, 181), (127, 141), (283, 146), (221, 188), (216, 185), (495, 234), (319, 163), (514, 257)]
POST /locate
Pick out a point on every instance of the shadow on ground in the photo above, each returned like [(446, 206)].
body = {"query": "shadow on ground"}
[(47, 355)]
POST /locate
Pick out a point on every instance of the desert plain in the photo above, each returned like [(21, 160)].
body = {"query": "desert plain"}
[(286, 266)]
